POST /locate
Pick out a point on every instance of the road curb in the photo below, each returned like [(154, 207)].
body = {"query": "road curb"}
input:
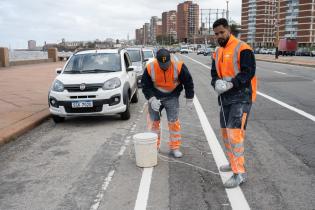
[(17, 129), (296, 64)]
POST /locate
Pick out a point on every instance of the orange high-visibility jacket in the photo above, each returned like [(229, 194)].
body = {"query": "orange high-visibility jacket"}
[(227, 61), (165, 81)]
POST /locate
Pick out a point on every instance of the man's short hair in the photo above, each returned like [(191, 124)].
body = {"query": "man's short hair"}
[(221, 21)]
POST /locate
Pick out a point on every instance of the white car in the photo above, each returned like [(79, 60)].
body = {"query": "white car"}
[(138, 61), (148, 55), (94, 82)]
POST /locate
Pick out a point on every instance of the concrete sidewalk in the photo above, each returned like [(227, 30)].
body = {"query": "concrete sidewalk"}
[(293, 60), (23, 97)]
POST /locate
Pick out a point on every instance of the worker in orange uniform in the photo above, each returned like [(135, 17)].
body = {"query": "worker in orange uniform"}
[(162, 83), (233, 78)]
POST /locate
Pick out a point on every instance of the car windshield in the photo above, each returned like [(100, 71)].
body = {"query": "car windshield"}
[(148, 54), (93, 63), (134, 55)]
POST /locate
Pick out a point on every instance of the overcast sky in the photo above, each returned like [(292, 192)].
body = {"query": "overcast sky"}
[(74, 20)]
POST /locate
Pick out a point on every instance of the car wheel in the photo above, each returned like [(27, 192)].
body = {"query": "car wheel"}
[(126, 114), (135, 98), (58, 119)]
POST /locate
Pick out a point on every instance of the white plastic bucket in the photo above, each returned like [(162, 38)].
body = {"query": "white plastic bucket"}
[(145, 149)]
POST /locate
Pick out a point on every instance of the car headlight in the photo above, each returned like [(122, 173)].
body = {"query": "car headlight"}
[(58, 86), (112, 84)]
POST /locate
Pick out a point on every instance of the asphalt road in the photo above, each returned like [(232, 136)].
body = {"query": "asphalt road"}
[(89, 163)]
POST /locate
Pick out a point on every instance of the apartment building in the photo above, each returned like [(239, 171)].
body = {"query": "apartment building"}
[(260, 21), (187, 21), (169, 26)]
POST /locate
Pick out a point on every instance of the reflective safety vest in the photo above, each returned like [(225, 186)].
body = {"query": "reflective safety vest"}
[(165, 81), (227, 61)]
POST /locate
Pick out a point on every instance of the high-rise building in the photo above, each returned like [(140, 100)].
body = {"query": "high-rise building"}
[(260, 21), (187, 21), (169, 24), (155, 28), (139, 36), (146, 33), (31, 44)]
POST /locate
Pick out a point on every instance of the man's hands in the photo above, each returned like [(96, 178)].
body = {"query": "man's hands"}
[(189, 103), (222, 86), (155, 104)]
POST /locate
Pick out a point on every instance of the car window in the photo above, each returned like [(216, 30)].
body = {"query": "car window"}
[(134, 55), (148, 54), (98, 62), (127, 60)]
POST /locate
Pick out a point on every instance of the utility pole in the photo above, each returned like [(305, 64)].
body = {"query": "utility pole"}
[(277, 25), (227, 10)]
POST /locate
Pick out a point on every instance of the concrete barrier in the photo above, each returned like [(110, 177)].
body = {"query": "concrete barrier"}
[(4, 57), (53, 54), (26, 62)]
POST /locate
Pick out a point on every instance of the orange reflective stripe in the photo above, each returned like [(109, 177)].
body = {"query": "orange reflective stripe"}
[(235, 135), (174, 144), (174, 126), (254, 88), (224, 133)]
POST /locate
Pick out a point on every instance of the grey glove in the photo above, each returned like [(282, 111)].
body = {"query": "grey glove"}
[(189, 103), (222, 86), (155, 104)]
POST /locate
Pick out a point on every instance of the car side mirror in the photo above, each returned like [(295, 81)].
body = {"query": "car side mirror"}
[(145, 60), (58, 70), (131, 68)]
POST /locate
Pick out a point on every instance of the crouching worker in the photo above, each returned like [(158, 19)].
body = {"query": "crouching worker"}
[(162, 83)]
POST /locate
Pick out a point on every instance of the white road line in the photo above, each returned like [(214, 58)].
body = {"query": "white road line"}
[(301, 112), (100, 195), (279, 72), (235, 195), (144, 189)]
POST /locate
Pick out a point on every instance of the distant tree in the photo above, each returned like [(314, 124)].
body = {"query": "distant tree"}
[(165, 40)]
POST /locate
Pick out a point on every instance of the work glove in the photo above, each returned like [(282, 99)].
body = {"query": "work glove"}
[(155, 104), (189, 103), (222, 86)]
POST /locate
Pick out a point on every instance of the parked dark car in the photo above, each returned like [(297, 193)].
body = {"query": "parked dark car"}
[(208, 51), (200, 51)]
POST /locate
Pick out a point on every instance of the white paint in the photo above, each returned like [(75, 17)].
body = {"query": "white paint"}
[(235, 195), (279, 72), (100, 195), (301, 112), (144, 189), (122, 150)]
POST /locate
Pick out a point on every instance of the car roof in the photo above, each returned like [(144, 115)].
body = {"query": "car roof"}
[(147, 49), (133, 48), (98, 51)]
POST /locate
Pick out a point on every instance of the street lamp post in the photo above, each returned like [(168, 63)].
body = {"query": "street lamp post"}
[(277, 25)]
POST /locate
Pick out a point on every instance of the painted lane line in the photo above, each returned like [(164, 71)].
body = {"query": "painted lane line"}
[(145, 183), (235, 195), (301, 112), (100, 195), (279, 72), (144, 189)]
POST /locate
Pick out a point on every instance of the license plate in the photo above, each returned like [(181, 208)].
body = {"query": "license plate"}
[(82, 104)]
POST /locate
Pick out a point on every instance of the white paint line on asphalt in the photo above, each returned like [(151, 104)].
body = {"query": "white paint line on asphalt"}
[(100, 195), (235, 195), (144, 189), (301, 112), (307, 115), (279, 72)]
